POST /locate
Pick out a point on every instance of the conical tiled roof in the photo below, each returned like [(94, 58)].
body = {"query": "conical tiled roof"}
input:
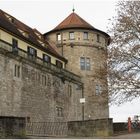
[(73, 21)]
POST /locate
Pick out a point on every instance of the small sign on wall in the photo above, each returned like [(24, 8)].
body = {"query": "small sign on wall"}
[(82, 100)]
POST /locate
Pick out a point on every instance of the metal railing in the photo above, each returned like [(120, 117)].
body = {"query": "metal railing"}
[(46, 129), (53, 68)]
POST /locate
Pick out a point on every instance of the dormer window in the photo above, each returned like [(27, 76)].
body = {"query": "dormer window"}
[(39, 36), (85, 35), (11, 19), (58, 37), (42, 43), (71, 35), (24, 33)]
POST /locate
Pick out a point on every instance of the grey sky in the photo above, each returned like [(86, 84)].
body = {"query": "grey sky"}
[(44, 15)]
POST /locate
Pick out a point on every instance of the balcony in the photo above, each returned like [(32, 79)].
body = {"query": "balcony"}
[(62, 73)]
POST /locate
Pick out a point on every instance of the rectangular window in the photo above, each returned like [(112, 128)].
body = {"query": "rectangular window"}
[(32, 52), (38, 77), (69, 90), (58, 37), (98, 89), (17, 71), (44, 80), (98, 38), (15, 45), (85, 63), (59, 111), (82, 63), (46, 58), (59, 64), (85, 36), (71, 35)]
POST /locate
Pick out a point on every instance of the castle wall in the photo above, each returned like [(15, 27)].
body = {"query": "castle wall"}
[(10, 88), (35, 93)]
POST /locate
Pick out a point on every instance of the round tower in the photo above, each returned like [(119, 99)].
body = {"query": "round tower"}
[(85, 48)]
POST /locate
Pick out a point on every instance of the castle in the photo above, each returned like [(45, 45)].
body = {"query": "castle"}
[(53, 77)]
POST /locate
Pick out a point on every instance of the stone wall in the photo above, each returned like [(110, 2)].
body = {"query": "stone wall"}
[(120, 127), (12, 127), (90, 128), (10, 88), (96, 106), (79, 40), (36, 93), (40, 100)]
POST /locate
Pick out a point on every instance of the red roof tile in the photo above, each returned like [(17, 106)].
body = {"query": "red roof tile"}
[(73, 20)]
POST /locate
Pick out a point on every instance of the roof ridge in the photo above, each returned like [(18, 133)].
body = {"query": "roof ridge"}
[(14, 18), (84, 20), (71, 17), (63, 20)]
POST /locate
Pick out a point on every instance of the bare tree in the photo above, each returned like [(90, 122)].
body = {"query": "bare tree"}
[(124, 53)]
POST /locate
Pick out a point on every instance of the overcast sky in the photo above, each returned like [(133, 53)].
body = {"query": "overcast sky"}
[(44, 15)]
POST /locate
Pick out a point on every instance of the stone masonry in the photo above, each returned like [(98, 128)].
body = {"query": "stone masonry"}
[(96, 106), (36, 93)]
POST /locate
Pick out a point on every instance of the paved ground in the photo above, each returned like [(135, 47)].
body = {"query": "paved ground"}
[(127, 136), (121, 136)]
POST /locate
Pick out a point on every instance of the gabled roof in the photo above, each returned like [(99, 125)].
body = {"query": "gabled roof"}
[(74, 21), (15, 27)]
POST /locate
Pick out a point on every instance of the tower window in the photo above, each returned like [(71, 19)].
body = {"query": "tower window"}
[(98, 38), (85, 63), (98, 89), (85, 35), (82, 63), (46, 58), (71, 35), (58, 37)]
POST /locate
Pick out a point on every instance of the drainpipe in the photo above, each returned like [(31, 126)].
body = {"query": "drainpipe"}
[(83, 106), (62, 43)]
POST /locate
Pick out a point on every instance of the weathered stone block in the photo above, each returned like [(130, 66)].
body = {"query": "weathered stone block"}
[(90, 128), (12, 127)]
